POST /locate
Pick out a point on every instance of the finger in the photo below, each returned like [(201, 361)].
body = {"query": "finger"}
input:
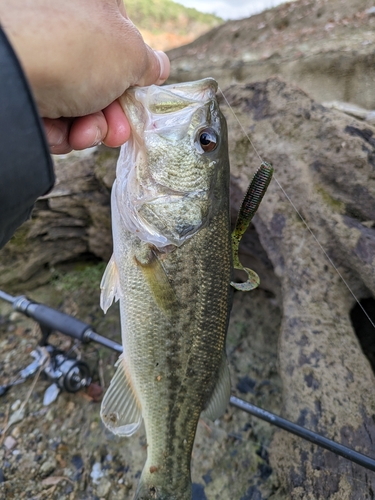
[(88, 131), (152, 66), (165, 66), (157, 68), (57, 133), (118, 125), (121, 7)]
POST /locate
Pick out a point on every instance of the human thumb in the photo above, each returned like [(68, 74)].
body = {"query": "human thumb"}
[(157, 69)]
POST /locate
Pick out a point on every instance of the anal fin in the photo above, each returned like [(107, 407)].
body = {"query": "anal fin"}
[(120, 410), (220, 397)]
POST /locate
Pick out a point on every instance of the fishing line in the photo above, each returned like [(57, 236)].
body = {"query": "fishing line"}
[(50, 319), (325, 253), (240, 124)]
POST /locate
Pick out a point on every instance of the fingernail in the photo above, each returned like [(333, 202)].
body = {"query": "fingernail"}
[(55, 136), (98, 137), (165, 65)]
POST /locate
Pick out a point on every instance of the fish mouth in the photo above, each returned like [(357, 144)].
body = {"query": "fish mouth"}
[(186, 93), (167, 170), (153, 108), (171, 98)]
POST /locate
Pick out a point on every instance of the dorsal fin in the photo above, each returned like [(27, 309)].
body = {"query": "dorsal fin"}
[(120, 409)]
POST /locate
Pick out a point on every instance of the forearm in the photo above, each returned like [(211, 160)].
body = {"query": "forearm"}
[(26, 170), (78, 56)]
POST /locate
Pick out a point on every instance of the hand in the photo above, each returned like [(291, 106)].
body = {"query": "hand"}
[(79, 57)]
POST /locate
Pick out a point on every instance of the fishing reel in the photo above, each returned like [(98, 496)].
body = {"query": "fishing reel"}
[(65, 372), (72, 374)]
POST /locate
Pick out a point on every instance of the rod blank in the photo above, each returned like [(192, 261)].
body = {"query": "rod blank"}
[(304, 433), (77, 329)]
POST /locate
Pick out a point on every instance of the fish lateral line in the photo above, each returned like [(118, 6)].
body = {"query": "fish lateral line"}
[(250, 204)]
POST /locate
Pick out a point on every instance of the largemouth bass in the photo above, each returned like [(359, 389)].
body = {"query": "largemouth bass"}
[(171, 270)]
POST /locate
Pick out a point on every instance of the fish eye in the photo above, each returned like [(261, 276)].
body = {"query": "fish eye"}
[(208, 140)]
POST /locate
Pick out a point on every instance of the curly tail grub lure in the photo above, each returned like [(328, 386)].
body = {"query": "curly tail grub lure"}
[(249, 206)]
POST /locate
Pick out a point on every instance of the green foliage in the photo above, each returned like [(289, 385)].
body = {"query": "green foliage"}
[(83, 278), (19, 239), (166, 15)]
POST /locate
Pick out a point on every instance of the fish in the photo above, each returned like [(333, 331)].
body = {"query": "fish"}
[(171, 271)]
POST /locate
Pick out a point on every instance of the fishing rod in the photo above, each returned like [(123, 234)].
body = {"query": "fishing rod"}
[(72, 375), (66, 372)]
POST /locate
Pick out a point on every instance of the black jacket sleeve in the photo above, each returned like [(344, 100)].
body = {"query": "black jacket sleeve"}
[(26, 168)]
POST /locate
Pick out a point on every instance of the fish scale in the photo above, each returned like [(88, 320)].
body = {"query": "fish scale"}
[(181, 416), (175, 294)]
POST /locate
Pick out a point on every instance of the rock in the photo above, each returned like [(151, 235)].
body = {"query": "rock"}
[(10, 442), (77, 462), (104, 487), (96, 473), (325, 162), (48, 466), (326, 48), (352, 110), (70, 406), (17, 416), (16, 432), (15, 316), (16, 405), (72, 221), (50, 395)]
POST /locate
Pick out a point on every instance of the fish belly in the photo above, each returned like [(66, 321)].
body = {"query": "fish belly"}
[(173, 358)]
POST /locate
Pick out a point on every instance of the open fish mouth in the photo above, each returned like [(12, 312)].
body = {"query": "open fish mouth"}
[(166, 172)]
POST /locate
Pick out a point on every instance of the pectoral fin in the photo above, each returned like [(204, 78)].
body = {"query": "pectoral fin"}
[(120, 410), (110, 285), (220, 397), (159, 284)]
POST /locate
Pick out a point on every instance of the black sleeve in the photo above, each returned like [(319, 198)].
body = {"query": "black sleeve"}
[(26, 168)]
